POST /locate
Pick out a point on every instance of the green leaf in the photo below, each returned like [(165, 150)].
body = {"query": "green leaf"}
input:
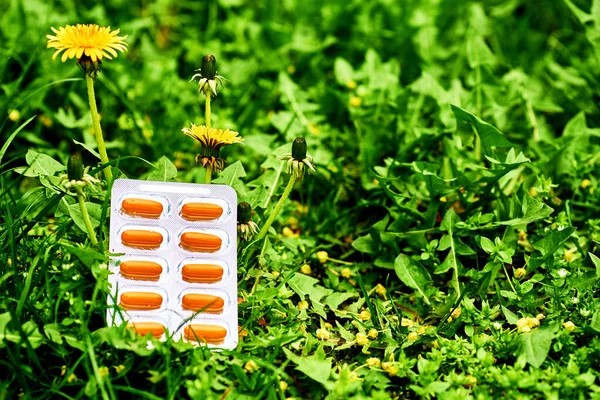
[(231, 174), (305, 285), (596, 262), (34, 337), (535, 345), (343, 71), (88, 148), (165, 171), (487, 245), (114, 335), (41, 164), (87, 256), (582, 16), (4, 320), (413, 275), (549, 244), (334, 300), (366, 244), (312, 366), (532, 210), (595, 323), (490, 136), (94, 212), (478, 52), (511, 317), (12, 137)]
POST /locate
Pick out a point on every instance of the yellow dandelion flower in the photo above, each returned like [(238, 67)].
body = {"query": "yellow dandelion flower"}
[(211, 139), (88, 43)]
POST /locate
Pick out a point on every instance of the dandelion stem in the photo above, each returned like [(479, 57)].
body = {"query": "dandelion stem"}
[(278, 207), (207, 110), (86, 217), (208, 177), (97, 128)]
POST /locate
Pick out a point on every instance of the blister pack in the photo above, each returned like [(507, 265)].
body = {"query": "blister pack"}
[(174, 261)]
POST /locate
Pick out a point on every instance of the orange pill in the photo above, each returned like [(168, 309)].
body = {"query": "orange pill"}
[(142, 239), (141, 301), (144, 328), (204, 242), (142, 207), (141, 270), (212, 334), (202, 273), (203, 303), (201, 211)]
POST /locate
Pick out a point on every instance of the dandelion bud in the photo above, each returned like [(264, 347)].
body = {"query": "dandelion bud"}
[(74, 168), (299, 149), (244, 213), (209, 67)]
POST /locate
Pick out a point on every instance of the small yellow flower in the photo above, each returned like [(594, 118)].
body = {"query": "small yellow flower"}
[(520, 272), (380, 290), (407, 322), (355, 101), (322, 256), (327, 325), (275, 273), (14, 115), (346, 273), (527, 324), (72, 378), (287, 232), (302, 305), (361, 339), (585, 183), (390, 368), (456, 313), (373, 362), (540, 317), (322, 334), (63, 370), (351, 84), (211, 140), (283, 386), (364, 315), (373, 333), (306, 269), (570, 254), (251, 366), (569, 325), (103, 371), (413, 336)]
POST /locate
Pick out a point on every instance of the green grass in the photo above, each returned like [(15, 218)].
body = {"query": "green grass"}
[(457, 149)]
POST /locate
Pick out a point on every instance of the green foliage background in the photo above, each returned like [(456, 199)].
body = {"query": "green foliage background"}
[(455, 142)]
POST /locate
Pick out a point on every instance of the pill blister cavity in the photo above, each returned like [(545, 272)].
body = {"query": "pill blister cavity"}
[(200, 211), (141, 270), (141, 301), (200, 242), (156, 329), (142, 239), (145, 208), (202, 273), (204, 333), (206, 303)]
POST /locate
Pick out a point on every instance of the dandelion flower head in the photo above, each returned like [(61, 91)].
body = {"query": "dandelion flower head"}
[(89, 40)]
